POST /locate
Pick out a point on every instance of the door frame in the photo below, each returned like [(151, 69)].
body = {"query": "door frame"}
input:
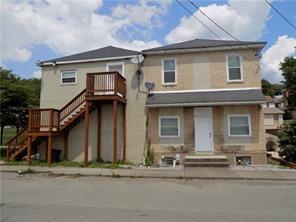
[(196, 110)]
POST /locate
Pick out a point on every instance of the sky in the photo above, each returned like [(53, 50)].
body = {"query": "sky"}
[(33, 30)]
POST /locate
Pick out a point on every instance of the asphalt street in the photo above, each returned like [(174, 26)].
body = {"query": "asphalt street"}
[(41, 198)]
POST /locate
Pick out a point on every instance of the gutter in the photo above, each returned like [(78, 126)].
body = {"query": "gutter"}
[(205, 104), (53, 63)]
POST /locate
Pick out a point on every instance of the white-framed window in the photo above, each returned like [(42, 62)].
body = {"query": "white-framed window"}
[(68, 77), (169, 126), (239, 125), (119, 67), (234, 68), (169, 71)]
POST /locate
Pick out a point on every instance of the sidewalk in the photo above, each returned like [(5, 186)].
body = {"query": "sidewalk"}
[(178, 172)]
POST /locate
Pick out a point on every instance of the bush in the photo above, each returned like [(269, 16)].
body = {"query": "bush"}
[(270, 144), (287, 142), (149, 159)]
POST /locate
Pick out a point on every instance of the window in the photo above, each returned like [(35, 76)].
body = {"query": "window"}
[(169, 71), (111, 67), (243, 160), (169, 126), (68, 77), (234, 68), (239, 125)]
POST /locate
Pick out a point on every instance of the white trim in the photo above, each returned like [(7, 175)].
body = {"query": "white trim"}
[(162, 71), (86, 60), (219, 48), (115, 63), (70, 83), (168, 117), (204, 90), (205, 104), (240, 115), (241, 68)]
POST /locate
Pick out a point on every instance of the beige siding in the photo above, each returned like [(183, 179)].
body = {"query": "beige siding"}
[(215, 71)]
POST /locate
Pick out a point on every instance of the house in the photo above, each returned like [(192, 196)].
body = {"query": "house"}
[(273, 117), (196, 99)]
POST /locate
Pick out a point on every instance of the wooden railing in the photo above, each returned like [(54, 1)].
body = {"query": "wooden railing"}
[(105, 83), (72, 105), (18, 139), (46, 120)]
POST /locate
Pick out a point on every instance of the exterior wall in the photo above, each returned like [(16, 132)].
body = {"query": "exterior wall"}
[(55, 95), (211, 66), (253, 146), (271, 122)]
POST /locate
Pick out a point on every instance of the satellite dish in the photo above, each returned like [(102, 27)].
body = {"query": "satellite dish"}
[(137, 59), (149, 85)]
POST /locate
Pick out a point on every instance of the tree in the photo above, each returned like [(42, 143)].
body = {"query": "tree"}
[(287, 142), (17, 95), (270, 89), (288, 68)]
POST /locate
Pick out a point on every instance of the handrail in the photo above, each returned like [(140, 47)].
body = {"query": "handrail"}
[(80, 98), (19, 133)]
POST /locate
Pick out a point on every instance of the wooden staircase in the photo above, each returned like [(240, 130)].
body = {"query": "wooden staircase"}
[(53, 122)]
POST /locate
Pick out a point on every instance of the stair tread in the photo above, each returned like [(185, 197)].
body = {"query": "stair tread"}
[(205, 157)]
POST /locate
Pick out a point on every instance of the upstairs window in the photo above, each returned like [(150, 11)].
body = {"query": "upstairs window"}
[(68, 77), (169, 71), (169, 126), (112, 67), (234, 68), (239, 125)]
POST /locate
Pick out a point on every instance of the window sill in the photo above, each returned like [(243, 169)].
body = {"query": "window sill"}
[(68, 84), (168, 84), (169, 137), (237, 136), (235, 81)]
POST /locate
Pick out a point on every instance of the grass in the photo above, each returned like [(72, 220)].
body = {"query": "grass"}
[(8, 133), (93, 164)]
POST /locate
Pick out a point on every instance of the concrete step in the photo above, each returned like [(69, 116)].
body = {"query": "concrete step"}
[(206, 164), (212, 158)]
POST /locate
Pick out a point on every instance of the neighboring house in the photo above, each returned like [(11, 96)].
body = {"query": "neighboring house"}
[(290, 105), (206, 100), (273, 117)]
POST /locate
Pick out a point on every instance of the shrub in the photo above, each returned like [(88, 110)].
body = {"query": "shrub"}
[(287, 142), (270, 144), (149, 159)]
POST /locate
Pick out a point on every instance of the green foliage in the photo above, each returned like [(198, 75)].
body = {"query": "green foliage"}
[(16, 96), (270, 89), (288, 68), (287, 142), (149, 159), (270, 144)]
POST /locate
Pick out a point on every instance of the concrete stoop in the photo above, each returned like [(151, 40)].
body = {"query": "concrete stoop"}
[(206, 161)]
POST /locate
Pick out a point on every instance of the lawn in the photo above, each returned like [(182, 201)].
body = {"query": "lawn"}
[(8, 133)]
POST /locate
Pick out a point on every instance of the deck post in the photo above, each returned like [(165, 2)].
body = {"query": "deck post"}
[(7, 152), (46, 149), (124, 133), (49, 150), (86, 130), (99, 116), (29, 150), (66, 136), (114, 131)]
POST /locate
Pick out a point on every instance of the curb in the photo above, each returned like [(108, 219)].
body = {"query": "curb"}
[(118, 176)]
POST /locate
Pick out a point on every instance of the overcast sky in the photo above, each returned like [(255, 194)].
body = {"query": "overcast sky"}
[(42, 30)]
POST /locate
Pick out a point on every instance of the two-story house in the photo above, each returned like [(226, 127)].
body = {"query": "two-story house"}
[(206, 100)]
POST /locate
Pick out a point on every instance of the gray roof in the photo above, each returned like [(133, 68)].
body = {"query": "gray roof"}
[(272, 110), (203, 98), (101, 53), (202, 43)]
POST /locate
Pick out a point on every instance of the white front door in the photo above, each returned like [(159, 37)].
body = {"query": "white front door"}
[(203, 121)]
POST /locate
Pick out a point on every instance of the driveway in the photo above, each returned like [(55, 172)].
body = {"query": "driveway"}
[(35, 198)]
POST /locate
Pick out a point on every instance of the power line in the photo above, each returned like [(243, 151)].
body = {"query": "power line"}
[(214, 33), (224, 30), (287, 20)]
